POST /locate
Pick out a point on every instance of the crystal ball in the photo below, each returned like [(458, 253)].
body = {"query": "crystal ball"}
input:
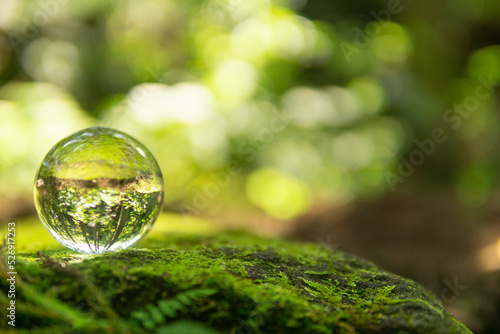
[(98, 190)]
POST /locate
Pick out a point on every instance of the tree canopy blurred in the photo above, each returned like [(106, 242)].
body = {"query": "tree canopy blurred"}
[(275, 105)]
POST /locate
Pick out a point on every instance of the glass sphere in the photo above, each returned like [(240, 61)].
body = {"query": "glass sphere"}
[(98, 190)]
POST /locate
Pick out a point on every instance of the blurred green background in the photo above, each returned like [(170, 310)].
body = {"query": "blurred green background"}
[(298, 102), (263, 111)]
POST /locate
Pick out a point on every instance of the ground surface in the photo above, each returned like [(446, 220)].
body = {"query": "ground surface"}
[(229, 282)]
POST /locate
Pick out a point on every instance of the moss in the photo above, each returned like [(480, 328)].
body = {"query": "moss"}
[(232, 282)]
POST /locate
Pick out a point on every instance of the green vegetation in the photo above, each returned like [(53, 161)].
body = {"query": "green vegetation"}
[(90, 217), (230, 282), (323, 98), (268, 106)]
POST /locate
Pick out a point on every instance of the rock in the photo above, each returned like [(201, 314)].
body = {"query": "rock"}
[(227, 283)]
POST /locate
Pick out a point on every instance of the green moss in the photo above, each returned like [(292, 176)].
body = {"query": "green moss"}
[(232, 282)]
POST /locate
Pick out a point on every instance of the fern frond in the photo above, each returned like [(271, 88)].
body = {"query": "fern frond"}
[(151, 316)]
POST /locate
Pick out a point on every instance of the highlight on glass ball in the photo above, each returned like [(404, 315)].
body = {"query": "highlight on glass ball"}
[(98, 190)]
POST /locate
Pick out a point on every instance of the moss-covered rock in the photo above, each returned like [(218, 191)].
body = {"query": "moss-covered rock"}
[(226, 283)]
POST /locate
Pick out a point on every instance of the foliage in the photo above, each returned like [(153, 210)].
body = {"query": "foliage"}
[(151, 315), (243, 101)]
